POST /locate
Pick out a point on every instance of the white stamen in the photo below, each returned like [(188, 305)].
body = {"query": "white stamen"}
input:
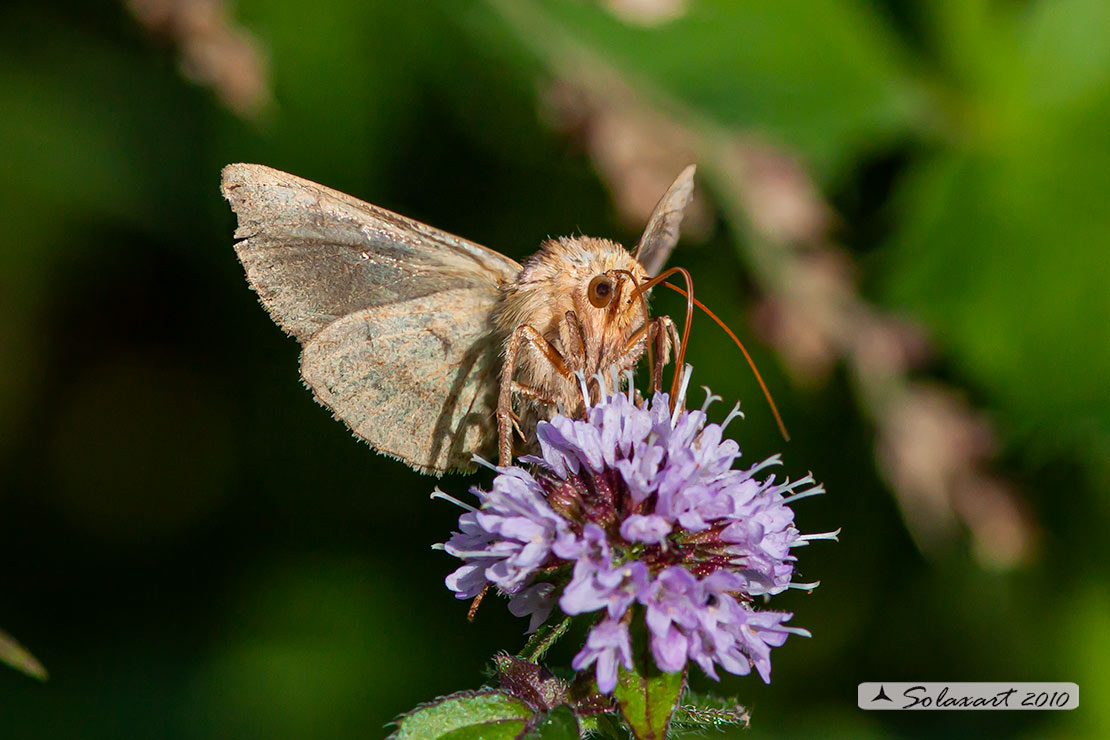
[(815, 491), (821, 536), (734, 414), (709, 398), (484, 463), (799, 631), (602, 391), (775, 459), (790, 486), (439, 546), (804, 586), (447, 497), (583, 389), (680, 399), (461, 554), (629, 378)]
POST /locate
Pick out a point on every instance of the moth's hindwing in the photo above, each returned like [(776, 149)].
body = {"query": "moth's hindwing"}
[(416, 379)]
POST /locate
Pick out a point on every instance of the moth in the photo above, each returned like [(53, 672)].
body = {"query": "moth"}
[(430, 347)]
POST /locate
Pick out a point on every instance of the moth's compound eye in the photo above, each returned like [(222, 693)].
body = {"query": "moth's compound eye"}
[(600, 291)]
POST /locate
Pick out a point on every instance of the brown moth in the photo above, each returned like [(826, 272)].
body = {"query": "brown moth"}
[(421, 341)]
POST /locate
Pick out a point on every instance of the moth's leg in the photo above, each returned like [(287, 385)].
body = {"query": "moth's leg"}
[(660, 339), (667, 339), (531, 394), (516, 424), (572, 337), (523, 333), (660, 330), (473, 611)]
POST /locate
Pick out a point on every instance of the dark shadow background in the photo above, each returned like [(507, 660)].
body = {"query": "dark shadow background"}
[(195, 549)]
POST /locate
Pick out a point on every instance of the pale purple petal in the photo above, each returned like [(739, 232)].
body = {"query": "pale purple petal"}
[(536, 601), (651, 529), (608, 644)]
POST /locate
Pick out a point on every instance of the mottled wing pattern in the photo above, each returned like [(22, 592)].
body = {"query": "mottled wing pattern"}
[(395, 317), (416, 379), (661, 234)]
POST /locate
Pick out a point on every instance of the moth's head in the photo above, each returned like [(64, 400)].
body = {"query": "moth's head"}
[(595, 278)]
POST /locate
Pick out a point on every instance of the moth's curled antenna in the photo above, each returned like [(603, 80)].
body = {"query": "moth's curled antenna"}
[(680, 358), (642, 302), (751, 363)]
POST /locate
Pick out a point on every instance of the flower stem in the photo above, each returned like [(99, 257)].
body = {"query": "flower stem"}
[(542, 640)]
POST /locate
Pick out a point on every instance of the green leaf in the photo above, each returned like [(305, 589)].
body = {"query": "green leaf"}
[(559, 724), (703, 711), (471, 715), (15, 655), (647, 699)]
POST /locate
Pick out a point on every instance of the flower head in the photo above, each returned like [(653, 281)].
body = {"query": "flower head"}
[(638, 510)]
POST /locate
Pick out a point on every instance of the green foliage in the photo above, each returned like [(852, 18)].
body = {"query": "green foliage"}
[(645, 696), (647, 700), (468, 715), (822, 76), (558, 724), (1001, 241), (704, 711)]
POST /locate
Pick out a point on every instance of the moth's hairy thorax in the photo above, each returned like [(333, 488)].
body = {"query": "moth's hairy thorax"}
[(556, 281)]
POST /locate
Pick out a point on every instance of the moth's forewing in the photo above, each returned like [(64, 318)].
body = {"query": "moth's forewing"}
[(394, 315), (661, 233)]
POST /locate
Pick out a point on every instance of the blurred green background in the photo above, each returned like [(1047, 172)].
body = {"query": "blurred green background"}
[(195, 549)]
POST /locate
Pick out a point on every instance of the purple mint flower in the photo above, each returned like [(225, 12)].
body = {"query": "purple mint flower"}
[(639, 510), (608, 644), (507, 540), (652, 529), (673, 603), (596, 583), (536, 601)]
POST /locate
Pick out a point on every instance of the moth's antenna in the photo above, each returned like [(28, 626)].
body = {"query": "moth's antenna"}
[(689, 293), (751, 362), (647, 318)]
